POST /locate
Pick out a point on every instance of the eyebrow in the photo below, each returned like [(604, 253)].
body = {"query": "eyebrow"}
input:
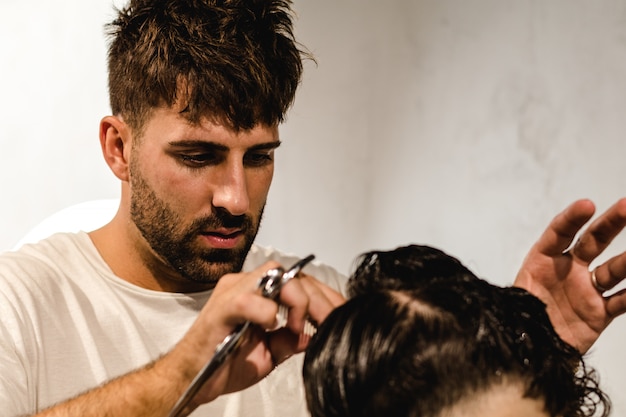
[(218, 146)]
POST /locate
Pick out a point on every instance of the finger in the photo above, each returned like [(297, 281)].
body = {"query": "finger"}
[(283, 344), (309, 301), (256, 309), (601, 232), (563, 228), (291, 338), (612, 272), (295, 297), (616, 304), (237, 297), (243, 281), (322, 298), (307, 298), (335, 297)]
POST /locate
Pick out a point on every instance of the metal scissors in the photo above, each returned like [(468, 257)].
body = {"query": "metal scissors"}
[(270, 285)]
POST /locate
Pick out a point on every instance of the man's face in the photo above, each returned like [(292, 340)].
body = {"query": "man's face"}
[(198, 193)]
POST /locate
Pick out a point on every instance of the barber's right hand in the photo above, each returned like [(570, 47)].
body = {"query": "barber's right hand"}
[(235, 300)]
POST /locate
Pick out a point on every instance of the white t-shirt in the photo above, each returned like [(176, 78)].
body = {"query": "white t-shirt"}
[(68, 324)]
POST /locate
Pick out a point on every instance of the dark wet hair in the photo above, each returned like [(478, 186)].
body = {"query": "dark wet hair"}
[(421, 332), (232, 60)]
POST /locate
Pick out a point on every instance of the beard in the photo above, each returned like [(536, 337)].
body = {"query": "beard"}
[(176, 243)]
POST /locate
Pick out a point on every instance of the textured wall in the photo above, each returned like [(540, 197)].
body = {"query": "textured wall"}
[(462, 124)]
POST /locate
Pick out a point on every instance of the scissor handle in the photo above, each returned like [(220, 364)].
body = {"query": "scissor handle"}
[(273, 280), (296, 268), (270, 283)]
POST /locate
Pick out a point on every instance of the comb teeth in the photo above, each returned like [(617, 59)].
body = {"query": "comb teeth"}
[(281, 321), (281, 316), (309, 328)]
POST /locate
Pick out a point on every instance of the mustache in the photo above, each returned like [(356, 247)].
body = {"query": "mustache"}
[(221, 218)]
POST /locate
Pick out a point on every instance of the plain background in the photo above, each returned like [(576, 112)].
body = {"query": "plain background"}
[(466, 125)]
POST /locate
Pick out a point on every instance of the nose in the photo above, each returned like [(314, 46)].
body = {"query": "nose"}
[(231, 190)]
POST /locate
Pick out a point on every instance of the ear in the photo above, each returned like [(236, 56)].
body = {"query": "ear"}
[(115, 141)]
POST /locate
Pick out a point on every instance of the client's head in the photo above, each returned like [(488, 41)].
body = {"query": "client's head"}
[(422, 336)]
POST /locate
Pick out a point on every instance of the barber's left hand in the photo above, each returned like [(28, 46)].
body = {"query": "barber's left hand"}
[(578, 310)]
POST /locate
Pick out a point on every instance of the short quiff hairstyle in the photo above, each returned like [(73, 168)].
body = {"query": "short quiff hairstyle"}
[(234, 61)]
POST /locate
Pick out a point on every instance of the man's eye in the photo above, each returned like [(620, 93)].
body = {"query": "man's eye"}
[(259, 159), (200, 159)]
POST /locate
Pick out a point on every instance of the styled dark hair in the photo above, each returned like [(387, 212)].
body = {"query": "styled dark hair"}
[(421, 332), (232, 60)]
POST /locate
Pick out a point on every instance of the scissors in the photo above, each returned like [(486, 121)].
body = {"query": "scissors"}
[(270, 285)]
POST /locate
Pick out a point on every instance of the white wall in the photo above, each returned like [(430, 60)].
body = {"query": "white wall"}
[(462, 124), (53, 86)]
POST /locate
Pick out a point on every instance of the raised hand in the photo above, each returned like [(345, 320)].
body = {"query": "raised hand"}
[(578, 307)]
